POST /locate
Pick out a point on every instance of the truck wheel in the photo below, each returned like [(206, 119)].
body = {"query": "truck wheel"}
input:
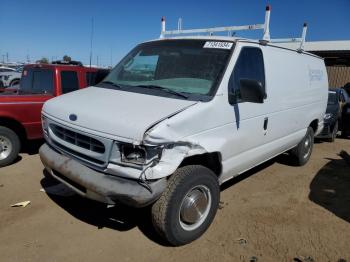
[(9, 146), (334, 132), (14, 82), (188, 205), (303, 150)]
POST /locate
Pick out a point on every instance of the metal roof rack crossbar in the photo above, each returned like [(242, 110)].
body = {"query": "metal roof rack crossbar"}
[(265, 26)]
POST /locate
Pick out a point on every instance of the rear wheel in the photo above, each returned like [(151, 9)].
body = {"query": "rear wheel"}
[(187, 206), (303, 150), (14, 82), (9, 146)]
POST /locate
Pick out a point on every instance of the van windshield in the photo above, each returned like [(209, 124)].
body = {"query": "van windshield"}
[(332, 98), (185, 69)]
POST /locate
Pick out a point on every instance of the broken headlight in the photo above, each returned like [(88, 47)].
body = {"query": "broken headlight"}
[(139, 155)]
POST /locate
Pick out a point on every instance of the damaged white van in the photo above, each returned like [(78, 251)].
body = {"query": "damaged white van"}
[(179, 116)]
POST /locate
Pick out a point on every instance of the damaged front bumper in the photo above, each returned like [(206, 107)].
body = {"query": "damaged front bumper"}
[(98, 185)]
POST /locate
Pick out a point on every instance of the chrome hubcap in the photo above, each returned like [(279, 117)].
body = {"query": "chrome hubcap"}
[(195, 207), (5, 147), (307, 146)]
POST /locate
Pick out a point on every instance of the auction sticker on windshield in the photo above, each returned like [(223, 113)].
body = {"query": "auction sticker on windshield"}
[(221, 45)]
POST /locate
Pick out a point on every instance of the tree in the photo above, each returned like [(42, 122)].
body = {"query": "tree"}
[(67, 58), (43, 60)]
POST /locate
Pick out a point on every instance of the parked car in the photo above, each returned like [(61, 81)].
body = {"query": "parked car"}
[(20, 110), (4, 69), (10, 78), (337, 99), (179, 116)]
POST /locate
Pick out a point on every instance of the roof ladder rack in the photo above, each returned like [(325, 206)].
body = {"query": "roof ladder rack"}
[(179, 31), (265, 27), (288, 40)]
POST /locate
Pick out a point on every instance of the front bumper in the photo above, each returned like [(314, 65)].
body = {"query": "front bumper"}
[(326, 131), (98, 185)]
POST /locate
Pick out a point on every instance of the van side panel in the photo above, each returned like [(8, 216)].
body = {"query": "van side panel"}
[(297, 91)]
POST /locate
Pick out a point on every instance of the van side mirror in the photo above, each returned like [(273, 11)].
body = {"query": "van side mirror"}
[(251, 91)]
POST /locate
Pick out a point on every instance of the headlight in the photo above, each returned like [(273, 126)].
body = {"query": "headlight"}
[(327, 116), (133, 154), (139, 155)]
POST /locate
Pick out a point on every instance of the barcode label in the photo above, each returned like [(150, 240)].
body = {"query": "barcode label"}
[(220, 45)]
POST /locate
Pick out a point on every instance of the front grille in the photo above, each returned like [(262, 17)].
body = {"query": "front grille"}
[(77, 139)]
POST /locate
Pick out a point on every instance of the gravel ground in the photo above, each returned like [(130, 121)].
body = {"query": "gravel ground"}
[(276, 212)]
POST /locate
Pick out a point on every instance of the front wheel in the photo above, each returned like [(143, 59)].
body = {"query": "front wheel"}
[(188, 205), (303, 150), (9, 146)]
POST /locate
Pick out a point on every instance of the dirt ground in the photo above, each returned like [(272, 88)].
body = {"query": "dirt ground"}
[(276, 212)]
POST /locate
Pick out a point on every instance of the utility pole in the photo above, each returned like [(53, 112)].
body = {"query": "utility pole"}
[(91, 37), (97, 60), (111, 57), (7, 57)]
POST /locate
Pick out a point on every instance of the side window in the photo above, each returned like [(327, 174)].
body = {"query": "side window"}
[(249, 65), (90, 78), (93, 78), (69, 81), (42, 82)]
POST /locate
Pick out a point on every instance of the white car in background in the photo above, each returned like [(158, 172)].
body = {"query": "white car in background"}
[(9, 76)]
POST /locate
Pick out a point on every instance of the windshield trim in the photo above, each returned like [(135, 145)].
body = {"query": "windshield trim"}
[(191, 97)]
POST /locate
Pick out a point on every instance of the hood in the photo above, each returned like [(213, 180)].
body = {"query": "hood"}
[(119, 114)]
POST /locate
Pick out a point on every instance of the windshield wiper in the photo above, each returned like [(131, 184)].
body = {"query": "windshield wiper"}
[(164, 89), (110, 83)]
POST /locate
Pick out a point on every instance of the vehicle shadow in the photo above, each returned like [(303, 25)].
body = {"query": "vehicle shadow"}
[(124, 218), (118, 217), (248, 173), (31, 147), (330, 187)]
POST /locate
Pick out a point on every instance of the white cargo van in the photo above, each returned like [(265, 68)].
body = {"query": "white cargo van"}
[(179, 116)]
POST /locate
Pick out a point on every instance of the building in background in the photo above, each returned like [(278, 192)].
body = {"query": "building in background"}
[(336, 55)]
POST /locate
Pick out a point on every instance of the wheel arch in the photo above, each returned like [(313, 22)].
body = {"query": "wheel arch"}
[(210, 160), (314, 125), (14, 125)]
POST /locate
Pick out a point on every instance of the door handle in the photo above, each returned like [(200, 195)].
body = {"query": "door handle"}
[(266, 121)]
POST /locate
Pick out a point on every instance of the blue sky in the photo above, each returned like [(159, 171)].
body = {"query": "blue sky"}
[(47, 28)]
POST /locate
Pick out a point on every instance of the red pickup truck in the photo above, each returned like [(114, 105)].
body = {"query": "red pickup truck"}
[(20, 112)]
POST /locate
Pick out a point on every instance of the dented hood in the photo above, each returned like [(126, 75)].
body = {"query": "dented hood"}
[(119, 114)]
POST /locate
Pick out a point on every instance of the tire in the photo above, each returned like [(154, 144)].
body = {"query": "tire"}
[(334, 132), (302, 152), (10, 146), (177, 224), (14, 82)]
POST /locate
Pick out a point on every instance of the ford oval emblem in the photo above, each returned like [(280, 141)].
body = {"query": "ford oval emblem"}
[(73, 117)]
